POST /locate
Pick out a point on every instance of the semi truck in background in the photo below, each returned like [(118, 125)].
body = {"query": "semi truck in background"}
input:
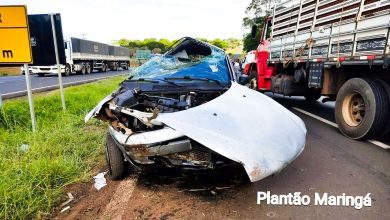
[(84, 56), (339, 49)]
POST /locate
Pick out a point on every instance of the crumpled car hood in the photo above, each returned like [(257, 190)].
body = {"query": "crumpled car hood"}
[(244, 126)]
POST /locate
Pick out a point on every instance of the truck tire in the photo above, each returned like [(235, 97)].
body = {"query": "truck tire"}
[(88, 68), (68, 71), (361, 108), (83, 70), (253, 79), (114, 159), (386, 87), (312, 95)]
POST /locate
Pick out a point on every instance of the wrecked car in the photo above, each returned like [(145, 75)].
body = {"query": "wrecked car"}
[(185, 109)]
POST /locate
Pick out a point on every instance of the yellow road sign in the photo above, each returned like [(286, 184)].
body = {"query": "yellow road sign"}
[(14, 35)]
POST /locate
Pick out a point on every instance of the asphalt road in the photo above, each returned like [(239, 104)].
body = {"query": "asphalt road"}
[(14, 84), (330, 163)]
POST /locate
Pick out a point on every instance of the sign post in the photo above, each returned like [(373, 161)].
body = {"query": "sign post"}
[(29, 95), (15, 45), (53, 28)]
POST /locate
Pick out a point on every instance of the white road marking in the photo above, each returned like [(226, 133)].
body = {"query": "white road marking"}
[(374, 142), (316, 117)]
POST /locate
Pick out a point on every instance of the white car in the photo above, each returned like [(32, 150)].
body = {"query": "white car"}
[(186, 110)]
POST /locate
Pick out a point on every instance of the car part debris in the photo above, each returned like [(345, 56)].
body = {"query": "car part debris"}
[(65, 209), (185, 110), (100, 181), (70, 196)]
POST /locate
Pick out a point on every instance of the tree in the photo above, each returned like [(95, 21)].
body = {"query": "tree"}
[(220, 43), (123, 42), (255, 15)]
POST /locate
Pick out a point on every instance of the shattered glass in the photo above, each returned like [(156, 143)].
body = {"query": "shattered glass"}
[(213, 66)]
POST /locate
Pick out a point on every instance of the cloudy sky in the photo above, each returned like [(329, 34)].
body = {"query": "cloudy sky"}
[(108, 20)]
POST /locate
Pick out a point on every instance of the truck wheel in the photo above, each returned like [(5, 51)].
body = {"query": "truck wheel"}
[(386, 87), (68, 71), (253, 79), (88, 69), (361, 108), (83, 70), (312, 95), (114, 158)]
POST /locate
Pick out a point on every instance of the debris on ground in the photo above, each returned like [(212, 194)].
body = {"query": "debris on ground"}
[(70, 196), (100, 180)]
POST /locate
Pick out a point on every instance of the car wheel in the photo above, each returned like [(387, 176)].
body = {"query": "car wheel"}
[(114, 158), (361, 108), (312, 95)]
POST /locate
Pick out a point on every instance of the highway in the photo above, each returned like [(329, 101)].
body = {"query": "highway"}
[(331, 163), (13, 86)]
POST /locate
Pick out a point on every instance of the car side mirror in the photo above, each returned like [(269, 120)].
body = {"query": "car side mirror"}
[(253, 31), (243, 79)]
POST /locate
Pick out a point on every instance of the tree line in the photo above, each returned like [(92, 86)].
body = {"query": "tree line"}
[(162, 45)]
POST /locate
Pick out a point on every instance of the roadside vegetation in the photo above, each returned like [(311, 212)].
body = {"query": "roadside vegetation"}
[(9, 71), (162, 45), (36, 167)]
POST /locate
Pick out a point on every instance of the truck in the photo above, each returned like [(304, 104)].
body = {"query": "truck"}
[(337, 49), (84, 56)]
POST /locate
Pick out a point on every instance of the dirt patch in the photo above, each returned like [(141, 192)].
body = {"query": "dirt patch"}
[(153, 194), (9, 71)]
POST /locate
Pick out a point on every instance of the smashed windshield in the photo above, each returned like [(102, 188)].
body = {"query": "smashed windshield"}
[(190, 58)]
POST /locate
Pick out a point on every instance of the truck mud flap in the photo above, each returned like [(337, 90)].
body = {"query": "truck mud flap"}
[(315, 75)]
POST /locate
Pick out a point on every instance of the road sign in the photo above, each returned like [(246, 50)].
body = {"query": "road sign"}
[(15, 36)]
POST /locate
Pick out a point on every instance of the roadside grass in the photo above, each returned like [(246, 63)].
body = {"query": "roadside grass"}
[(9, 71), (36, 167)]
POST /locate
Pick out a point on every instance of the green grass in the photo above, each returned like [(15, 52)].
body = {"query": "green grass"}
[(63, 151)]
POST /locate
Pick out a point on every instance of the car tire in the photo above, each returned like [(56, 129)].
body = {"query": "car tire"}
[(114, 159), (312, 95), (68, 71), (361, 108)]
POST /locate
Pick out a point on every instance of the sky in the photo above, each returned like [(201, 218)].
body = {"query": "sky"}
[(109, 20)]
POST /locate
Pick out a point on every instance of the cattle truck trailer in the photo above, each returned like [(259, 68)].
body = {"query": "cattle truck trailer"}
[(84, 56), (339, 49)]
